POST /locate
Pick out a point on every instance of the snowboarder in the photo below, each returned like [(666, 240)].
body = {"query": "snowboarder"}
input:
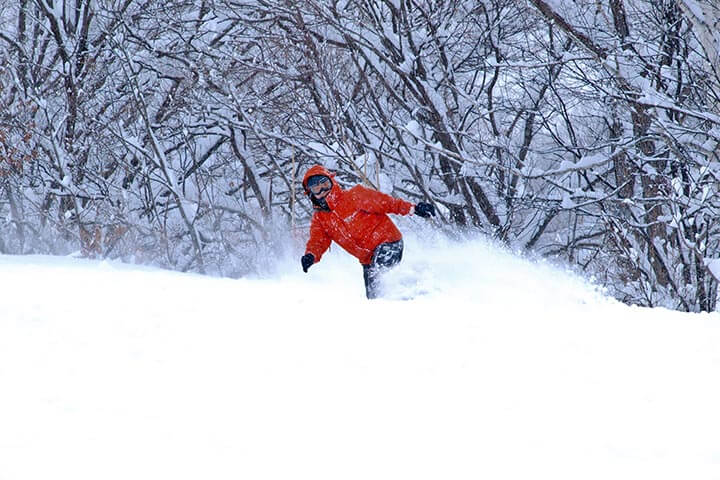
[(356, 219)]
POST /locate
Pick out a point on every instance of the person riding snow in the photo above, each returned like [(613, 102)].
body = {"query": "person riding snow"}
[(357, 220)]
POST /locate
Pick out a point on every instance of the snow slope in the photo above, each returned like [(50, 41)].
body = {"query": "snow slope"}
[(498, 368)]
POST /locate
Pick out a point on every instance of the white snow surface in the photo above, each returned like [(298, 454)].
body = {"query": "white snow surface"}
[(478, 364)]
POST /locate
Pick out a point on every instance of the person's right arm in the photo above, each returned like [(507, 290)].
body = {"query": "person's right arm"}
[(317, 244)]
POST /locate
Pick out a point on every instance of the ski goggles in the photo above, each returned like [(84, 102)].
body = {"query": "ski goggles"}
[(318, 184)]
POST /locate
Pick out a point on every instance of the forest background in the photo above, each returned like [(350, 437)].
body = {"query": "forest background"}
[(175, 133)]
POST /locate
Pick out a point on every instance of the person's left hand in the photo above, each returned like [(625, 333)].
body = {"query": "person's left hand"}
[(425, 210)]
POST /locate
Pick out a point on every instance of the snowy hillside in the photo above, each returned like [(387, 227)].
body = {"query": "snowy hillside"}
[(479, 365)]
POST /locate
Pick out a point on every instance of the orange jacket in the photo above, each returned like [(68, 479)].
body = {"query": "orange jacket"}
[(357, 220)]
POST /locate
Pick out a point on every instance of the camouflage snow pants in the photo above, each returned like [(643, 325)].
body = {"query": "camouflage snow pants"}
[(385, 256)]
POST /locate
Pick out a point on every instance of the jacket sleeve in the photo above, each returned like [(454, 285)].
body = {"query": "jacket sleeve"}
[(378, 202), (319, 241)]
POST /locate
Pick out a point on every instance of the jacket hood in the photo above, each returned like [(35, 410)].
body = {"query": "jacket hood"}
[(317, 170)]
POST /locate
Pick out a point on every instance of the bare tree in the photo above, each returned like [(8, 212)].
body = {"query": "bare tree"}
[(659, 197)]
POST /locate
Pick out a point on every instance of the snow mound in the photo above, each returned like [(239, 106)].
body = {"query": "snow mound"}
[(477, 364)]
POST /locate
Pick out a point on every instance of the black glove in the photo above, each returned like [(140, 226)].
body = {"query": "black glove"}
[(307, 260), (425, 210)]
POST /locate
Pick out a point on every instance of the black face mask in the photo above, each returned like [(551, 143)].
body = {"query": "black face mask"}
[(319, 203)]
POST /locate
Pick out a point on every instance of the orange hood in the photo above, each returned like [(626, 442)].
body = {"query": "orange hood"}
[(317, 170)]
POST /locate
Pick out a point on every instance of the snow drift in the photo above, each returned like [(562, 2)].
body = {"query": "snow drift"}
[(478, 364)]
